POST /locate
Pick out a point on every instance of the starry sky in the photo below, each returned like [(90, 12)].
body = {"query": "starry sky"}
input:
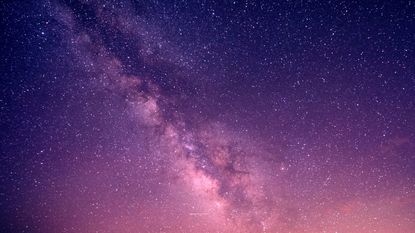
[(207, 116)]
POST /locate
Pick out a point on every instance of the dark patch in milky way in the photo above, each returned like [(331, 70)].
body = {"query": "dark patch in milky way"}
[(212, 154)]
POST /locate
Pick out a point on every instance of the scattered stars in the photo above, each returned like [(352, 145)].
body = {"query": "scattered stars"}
[(181, 116)]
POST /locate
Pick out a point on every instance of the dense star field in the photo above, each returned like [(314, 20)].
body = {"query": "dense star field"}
[(207, 116)]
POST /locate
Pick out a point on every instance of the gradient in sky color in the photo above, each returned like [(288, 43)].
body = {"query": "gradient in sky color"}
[(207, 116)]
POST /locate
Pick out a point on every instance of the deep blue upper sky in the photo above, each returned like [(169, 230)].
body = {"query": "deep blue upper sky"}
[(207, 116)]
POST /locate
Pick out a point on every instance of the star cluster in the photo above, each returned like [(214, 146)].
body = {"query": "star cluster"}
[(199, 116)]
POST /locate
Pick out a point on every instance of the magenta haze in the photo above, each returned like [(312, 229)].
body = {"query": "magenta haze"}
[(195, 116)]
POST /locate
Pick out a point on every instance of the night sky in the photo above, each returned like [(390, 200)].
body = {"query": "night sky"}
[(207, 116)]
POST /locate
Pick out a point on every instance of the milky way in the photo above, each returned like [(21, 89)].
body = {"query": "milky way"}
[(234, 116)]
